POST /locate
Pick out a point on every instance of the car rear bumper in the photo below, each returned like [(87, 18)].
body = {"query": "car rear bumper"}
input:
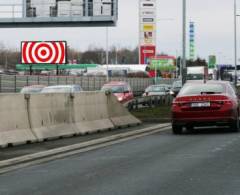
[(201, 123), (204, 119)]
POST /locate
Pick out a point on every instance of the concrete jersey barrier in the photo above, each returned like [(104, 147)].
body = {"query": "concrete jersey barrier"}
[(118, 114), (51, 115), (14, 120), (91, 112), (38, 117)]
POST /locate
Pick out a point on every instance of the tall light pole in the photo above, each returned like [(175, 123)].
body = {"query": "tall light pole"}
[(235, 41), (183, 67), (107, 52)]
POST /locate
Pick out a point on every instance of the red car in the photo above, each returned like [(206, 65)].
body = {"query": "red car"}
[(213, 103), (121, 90)]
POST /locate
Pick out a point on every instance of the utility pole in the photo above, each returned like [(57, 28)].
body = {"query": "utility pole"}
[(183, 67), (235, 42), (107, 52)]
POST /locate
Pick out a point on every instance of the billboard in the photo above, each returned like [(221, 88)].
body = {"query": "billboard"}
[(191, 41), (212, 60), (147, 31), (163, 64), (48, 52), (54, 13), (146, 52)]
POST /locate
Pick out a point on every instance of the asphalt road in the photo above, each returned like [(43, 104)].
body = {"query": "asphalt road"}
[(206, 162)]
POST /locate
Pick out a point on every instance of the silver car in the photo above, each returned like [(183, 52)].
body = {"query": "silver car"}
[(157, 90), (62, 89), (33, 89)]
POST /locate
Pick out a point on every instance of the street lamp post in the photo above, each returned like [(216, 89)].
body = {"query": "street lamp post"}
[(235, 41), (107, 53), (183, 67)]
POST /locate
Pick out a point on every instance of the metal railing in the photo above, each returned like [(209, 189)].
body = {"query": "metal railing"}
[(150, 101), (14, 83), (11, 10)]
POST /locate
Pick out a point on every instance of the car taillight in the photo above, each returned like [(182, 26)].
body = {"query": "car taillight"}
[(220, 102), (228, 102), (177, 104), (174, 104)]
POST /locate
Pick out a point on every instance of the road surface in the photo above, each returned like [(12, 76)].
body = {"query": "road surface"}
[(205, 162)]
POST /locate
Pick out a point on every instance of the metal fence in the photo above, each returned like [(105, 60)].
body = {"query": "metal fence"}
[(14, 83), (150, 101)]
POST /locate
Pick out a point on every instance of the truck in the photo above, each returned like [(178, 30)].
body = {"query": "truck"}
[(197, 73)]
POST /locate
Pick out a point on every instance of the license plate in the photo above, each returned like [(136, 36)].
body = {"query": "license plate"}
[(200, 104)]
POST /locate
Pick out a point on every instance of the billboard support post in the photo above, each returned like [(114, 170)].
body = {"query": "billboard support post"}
[(156, 75)]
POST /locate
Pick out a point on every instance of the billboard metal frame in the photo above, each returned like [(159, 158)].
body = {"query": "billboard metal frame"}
[(71, 21)]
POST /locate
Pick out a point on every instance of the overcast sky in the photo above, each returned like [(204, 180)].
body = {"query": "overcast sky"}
[(213, 22)]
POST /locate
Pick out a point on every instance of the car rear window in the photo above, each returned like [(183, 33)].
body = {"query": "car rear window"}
[(157, 89), (195, 77), (57, 90), (113, 88), (177, 84), (193, 89), (31, 90)]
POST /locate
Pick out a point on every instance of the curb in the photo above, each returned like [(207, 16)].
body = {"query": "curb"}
[(156, 120)]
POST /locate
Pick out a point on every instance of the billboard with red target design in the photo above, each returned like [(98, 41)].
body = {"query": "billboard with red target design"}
[(48, 52)]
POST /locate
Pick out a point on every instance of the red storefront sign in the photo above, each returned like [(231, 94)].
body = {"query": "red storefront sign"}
[(146, 52)]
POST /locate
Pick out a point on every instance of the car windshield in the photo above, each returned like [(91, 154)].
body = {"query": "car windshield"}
[(31, 90), (198, 89), (57, 90), (113, 88)]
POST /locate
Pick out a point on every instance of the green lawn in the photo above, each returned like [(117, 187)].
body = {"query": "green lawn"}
[(161, 112)]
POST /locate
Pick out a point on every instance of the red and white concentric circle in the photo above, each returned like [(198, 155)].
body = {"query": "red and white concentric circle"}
[(53, 52)]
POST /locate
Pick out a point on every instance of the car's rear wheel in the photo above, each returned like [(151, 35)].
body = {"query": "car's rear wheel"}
[(130, 106), (234, 126), (189, 128), (176, 129)]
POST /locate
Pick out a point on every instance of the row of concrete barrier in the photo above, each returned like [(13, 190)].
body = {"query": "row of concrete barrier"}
[(33, 118)]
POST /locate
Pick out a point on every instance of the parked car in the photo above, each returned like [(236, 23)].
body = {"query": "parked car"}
[(176, 87), (154, 90), (33, 89), (62, 89), (205, 104), (121, 90)]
